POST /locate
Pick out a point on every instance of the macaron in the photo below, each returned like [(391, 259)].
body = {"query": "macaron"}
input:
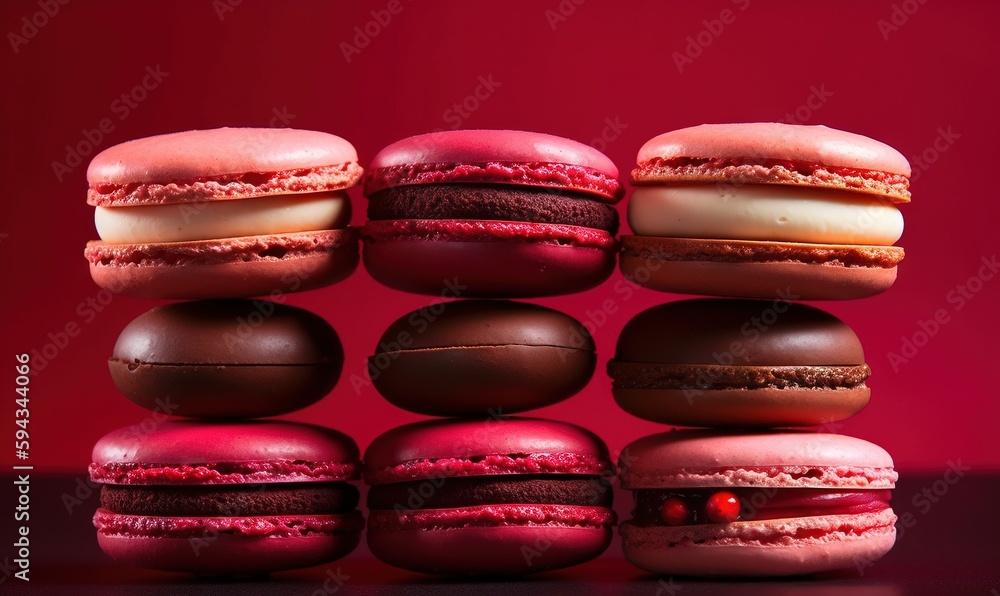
[(752, 209), (226, 359), (491, 213), (214, 498), (739, 363), (498, 497), (482, 357), (709, 503), (223, 213)]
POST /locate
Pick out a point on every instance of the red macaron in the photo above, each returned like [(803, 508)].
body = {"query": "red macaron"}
[(491, 213), (754, 209), (756, 504), (226, 498), (502, 496), (223, 213)]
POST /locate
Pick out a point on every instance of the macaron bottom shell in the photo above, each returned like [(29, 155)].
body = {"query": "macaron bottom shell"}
[(482, 379), (226, 268), (228, 546), (520, 539), (743, 408), (776, 547), (492, 268), (653, 264), (223, 391)]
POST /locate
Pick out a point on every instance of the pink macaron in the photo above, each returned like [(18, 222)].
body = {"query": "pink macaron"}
[(502, 496), (223, 213), (753, 209), (491, 213), (241, 498), (773, 503)]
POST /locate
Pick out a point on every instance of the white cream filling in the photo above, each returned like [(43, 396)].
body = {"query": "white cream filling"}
[(764, 212), (223, 219)]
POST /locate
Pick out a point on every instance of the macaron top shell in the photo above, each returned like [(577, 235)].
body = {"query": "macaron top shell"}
[(739, 333), (200, 452), (785, 459), (487, 323), (221, 163), (477, 447), (773, 140), (243, 332), (494, 156)]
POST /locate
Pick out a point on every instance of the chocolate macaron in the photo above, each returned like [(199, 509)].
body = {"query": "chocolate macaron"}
[(240, 498), (493, 213), (751, 209), (226, 359), (739, 363), (482, 357), (223, 213), (501, 496)]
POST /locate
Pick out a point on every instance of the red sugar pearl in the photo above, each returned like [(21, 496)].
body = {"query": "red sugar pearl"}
[(674, 511), (723, 507)]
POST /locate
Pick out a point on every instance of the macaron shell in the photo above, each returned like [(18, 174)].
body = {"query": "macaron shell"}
[(491, 269), (472, 447), (484, 145), (755, 333), (810, 143), (494, 156), (743, 408), (709, 458), (227, 268), (762, 548), (191, 451), (486, 551), (179, 167), (224, 391), (210, 551), (480, 380), (484, 380), (804, 281)]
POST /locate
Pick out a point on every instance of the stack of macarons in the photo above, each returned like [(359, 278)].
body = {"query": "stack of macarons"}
[(776, 213), (487, 214), (216, 216)]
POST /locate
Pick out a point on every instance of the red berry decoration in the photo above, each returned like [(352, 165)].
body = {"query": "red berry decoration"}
[(723, 507), (674, 512)]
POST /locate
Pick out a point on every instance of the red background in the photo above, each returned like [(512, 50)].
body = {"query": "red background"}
[(597, 68)]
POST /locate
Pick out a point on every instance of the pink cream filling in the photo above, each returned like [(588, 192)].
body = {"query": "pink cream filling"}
[(467, 230), (556, 175), (492, 516), (536, 463), (251, 472), (278, 526)]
